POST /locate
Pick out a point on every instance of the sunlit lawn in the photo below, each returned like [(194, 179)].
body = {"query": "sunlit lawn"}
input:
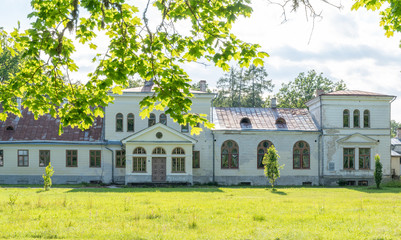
[(200, 213)]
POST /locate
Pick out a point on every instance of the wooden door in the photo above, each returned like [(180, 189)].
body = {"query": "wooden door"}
[(158, 169)]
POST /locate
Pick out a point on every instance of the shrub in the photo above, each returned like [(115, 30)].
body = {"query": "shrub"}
[(47, 177), (272, 168), (378, 171)]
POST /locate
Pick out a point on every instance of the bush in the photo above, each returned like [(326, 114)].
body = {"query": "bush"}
[(47, 177), (272, 168), (378, 171)]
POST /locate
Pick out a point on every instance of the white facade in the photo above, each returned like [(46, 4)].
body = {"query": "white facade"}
[(315, 147)]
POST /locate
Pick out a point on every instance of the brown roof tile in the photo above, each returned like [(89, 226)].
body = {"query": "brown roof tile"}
[(45, 128)]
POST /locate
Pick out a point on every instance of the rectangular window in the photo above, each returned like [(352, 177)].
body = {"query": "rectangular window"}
[(44, 158), (120, 159), (23, 158), (349, 158), (71, 158), (1, 158), (139, 164), (178, 164), (195, 159), (185, 128), (95, 157), (364, 158)]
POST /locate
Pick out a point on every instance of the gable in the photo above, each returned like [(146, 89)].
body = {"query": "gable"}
[(159, 133), (357, 138)]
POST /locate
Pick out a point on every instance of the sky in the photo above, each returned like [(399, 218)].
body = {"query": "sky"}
[(344, 45)]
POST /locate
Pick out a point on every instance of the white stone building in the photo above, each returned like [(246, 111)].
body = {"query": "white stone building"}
[(336, 139)]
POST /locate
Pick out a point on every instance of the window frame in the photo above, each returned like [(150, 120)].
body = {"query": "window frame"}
[(1, 157), (154, 151), (151, 120), (120, 159), (185, 128), (130, 118), (139, 160), (163, 119), (40, 156), (366, 118), (19, 155), (365, 159), (346, 114), (349, 155), (259, 161), (356, 118), (229, 154), (179, 164), (194, 154), (119, 118), (71, 156), (301, 155), (98, 158)]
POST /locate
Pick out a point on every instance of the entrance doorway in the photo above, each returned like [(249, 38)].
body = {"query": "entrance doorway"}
[(158, 169)]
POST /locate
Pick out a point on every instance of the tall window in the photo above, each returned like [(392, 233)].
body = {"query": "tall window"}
[(151, 120), (346, 118), (1, 158), (130, 122), (195, 159), (139, 160), (120, 159), (71, 158), (158, 150), (356, 119), (23, 158), (185, 128), (349, 158), (229, 154), (261, 150), (301, 157), (364, 158), (119, 122), (163, 119), (44, 158), (177, 160), (366, 119), (95, 158)]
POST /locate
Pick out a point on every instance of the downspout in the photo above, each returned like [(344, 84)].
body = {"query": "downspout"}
[(213, 158), (322, 139)]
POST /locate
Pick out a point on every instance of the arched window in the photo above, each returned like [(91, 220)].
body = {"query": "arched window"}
[(163, 119), (346, 118), (178, 160), (229, 154), (119, 122), (245, 123), (178, 151), (139, 160), (262, 149), (356, 119), (158, 150), (151, 120), (280, 122), (9, 128), (366, 119), (130, 122), (301, 155)]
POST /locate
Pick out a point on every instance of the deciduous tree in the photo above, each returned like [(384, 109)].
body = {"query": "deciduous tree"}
[(151, 47), (296, 93), (272, 167)]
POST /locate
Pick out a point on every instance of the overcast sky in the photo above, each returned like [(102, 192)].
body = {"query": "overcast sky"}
[(344, 45)]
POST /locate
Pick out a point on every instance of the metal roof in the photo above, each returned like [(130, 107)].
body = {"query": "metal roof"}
[(395, 141), (46, 128), (263, 119), (355, 93), (395, 154)]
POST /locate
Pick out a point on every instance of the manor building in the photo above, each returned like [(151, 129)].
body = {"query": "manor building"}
[(335, 140)]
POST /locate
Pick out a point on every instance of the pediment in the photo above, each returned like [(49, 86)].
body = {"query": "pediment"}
[(357, 138), (159, 133)]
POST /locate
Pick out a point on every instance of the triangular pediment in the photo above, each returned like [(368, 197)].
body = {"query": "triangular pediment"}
[(357, 138), (159, 133)]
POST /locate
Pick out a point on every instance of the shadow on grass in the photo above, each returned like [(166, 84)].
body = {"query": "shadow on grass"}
[(373, 189), (275, 191), (147, 189)]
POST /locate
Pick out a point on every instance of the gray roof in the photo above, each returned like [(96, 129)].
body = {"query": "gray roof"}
[(263, 119), (355, 93), (395, 141), (395, 154)]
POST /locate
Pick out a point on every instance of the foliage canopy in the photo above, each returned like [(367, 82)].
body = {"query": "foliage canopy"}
[(137, 45)]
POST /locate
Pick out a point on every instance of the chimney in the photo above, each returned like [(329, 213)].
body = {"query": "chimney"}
[(202, 85), (273, 103), (319, 92), (399, 133)]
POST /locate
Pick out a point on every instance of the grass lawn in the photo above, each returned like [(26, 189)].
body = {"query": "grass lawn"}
[(200, 213)]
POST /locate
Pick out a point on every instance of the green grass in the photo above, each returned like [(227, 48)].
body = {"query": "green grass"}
[(200, 213)]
